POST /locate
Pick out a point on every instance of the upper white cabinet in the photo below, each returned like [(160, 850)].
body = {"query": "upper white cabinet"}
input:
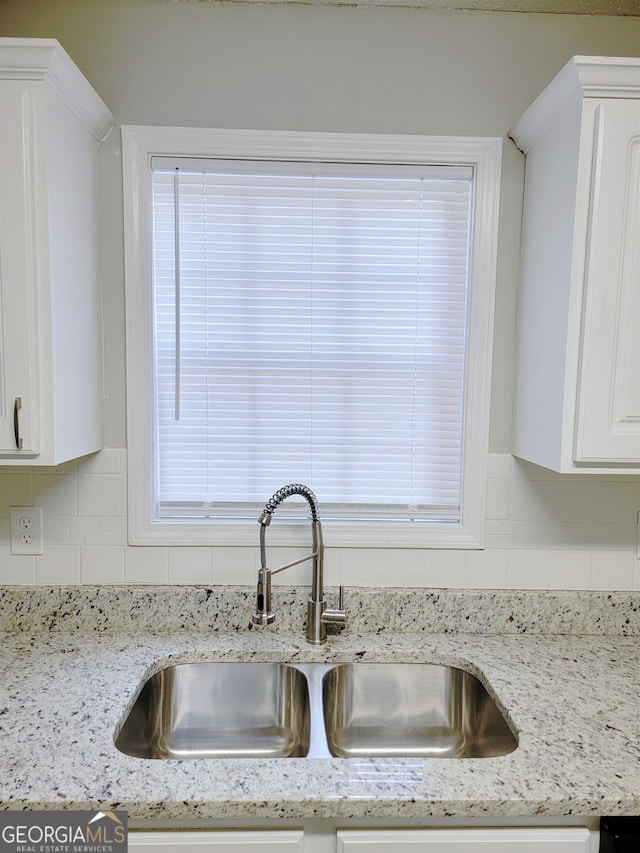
[(51, 122), (577, 406)]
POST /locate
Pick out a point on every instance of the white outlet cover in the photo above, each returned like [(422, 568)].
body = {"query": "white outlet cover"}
[(26, 530)]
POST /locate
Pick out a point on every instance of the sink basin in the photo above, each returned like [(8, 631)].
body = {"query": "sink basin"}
[(276, 710), (421, 710), (219, 710)]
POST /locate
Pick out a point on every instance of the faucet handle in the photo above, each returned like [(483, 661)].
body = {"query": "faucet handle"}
[(335, 616)]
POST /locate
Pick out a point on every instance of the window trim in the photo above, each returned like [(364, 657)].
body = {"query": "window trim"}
[(483, 154)]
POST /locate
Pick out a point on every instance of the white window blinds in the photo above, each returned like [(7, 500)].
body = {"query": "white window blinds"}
[(309, 326)]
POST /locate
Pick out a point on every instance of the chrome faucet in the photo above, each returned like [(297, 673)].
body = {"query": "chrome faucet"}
[(318, 614)]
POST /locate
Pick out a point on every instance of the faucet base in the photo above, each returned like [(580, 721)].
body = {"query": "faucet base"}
[(316, 629)]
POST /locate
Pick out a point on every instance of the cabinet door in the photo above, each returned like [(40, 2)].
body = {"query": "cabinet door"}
[(254, 841), (608, 415), (19, 165), (570, 840)]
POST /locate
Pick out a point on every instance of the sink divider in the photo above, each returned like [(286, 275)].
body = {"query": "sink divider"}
[(314, 673)]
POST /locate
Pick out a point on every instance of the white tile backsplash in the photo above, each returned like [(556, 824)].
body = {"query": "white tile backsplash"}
[(146, 565), (543, 531), (190, 565), (60, 564), (16, 570)]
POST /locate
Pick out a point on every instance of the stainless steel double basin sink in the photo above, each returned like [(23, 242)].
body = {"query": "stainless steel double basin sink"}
[(278, 710)]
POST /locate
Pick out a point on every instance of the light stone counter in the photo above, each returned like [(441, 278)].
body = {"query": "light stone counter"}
[(573, 699)]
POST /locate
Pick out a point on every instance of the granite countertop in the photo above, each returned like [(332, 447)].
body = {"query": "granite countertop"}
[(573, 700)]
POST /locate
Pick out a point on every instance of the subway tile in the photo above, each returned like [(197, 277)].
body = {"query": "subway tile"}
[(570, 569), (528, 569), (612, 570), (16, 569), (500, 466), (100, 564), (404, 567), (618, 502), (498, 504), (361, 567), (60, 564), (498, 541), (57, 495), (498, 535), (99, 495), (616, 537), (485, 570), (146, 565), (5, 528), (331, 567), (446, 569), (15, 490), (190, 566), (575, 501), (235, 565), (531, 500)]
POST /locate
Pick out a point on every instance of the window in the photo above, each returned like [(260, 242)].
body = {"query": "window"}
[(308, 308)]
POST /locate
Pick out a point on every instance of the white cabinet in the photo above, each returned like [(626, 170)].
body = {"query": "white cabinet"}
[(250, 841), (51, 121), (463, 840), (499, 840), (577, 406)]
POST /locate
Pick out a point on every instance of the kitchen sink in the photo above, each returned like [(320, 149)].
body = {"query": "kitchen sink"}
[(219, 710), (421, 710), (277, 710)]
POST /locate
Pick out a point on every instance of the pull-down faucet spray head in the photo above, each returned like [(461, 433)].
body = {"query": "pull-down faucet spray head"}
[(263, 615)]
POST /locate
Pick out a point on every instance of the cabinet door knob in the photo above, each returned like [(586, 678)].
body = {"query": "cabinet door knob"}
[(16, 422)]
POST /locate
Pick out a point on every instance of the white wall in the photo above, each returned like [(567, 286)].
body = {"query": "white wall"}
[(335, 69)]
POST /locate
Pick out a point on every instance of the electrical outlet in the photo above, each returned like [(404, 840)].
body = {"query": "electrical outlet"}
[(26, 530)]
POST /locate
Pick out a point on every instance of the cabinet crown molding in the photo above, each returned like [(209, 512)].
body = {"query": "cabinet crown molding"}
[(46, 60), (582, 77)]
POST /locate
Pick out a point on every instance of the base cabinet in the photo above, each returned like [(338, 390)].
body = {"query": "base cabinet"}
[(571, 840), (252, 841), (462, 840)]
